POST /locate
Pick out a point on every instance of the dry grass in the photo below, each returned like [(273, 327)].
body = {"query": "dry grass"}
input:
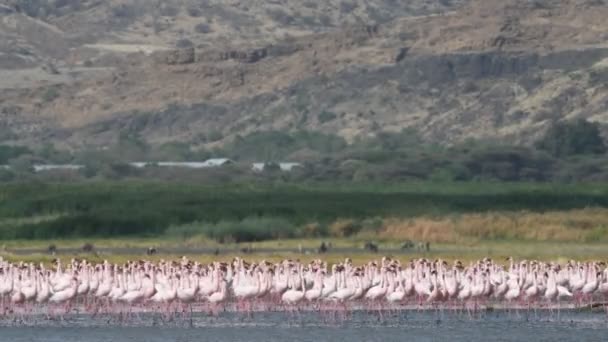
[(343, 228), (557, 235), (584, 225)]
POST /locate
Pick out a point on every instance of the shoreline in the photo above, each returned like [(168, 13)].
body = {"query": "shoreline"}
[(324, 307)]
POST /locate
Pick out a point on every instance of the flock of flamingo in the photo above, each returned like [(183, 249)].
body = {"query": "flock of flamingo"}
[(386, 284)]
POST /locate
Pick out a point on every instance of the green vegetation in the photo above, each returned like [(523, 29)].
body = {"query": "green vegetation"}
[(569, 152), (573, 138), (549, 251), (11, 152), (50, 94), (249, 229), (246, 212), (391, 185), (326, 116)]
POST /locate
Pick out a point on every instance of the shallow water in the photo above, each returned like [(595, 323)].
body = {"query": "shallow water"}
[(404, 326)]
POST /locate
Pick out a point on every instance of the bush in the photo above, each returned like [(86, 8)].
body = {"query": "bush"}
[(169, 11), (572, 138), (10, 152), (124, 11), (275, 145), (344, 228), (50, 94), (184, 43), (248, 230), (280, 16), (186, 231), (326, 116), (194, 12), (203, 28), (374, 224), (347, 7), (255, 211), (314, 230), (6, 175)]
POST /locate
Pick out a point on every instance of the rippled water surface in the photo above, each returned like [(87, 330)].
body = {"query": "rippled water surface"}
[(412, 326)]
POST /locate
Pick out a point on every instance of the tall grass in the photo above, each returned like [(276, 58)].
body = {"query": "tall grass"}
[(136, 208), (583, 225), (248, 230)]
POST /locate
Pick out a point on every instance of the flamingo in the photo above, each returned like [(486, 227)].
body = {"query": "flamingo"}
[(294, 284), (66, 295)]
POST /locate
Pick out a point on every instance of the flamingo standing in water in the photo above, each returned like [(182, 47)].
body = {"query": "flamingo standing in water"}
[(66, 295), (221, 294), (158, 286), (295, 294)]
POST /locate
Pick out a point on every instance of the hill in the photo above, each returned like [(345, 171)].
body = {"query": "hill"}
[(82, 72)]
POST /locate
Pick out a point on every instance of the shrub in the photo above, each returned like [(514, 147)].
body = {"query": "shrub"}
[(344, 228), (373, 224), (186, 231), (572, 138), (280, 16), (247, 230), (326, 116), (347, 7), (184, 43), (203, 28), (50, 94), (194, 12), (124, 11), (9, 152), (169, 11), (314, 229), (251, 229)]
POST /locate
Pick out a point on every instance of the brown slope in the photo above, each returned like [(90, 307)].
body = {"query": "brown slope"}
[(493, 69)]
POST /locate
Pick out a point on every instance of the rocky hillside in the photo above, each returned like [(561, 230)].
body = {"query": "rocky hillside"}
[(81, 72)]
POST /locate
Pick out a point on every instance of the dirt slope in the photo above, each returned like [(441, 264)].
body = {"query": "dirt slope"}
[(480, 69)]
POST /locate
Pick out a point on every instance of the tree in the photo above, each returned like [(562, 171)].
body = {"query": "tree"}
[(172, 151), (10, 152), (572, 138), (50, 154), (131, 147), (22, 165)]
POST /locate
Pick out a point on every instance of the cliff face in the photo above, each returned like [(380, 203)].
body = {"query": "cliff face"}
[(480, 69)]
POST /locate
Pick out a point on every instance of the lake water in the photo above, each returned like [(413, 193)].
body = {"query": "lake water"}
[(412, 326)]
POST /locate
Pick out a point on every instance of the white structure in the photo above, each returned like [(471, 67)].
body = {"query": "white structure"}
[(192, 165), (48, 167), (259, 167), (215, 162)]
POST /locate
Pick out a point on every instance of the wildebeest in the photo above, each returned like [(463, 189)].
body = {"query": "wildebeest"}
[(52, 249), (408, 244), (151, 251), (370, 246), (421, 246), (323, 248), (88, 247)]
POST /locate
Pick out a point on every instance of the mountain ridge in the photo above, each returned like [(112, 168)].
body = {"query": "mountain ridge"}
[(480, 69)]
